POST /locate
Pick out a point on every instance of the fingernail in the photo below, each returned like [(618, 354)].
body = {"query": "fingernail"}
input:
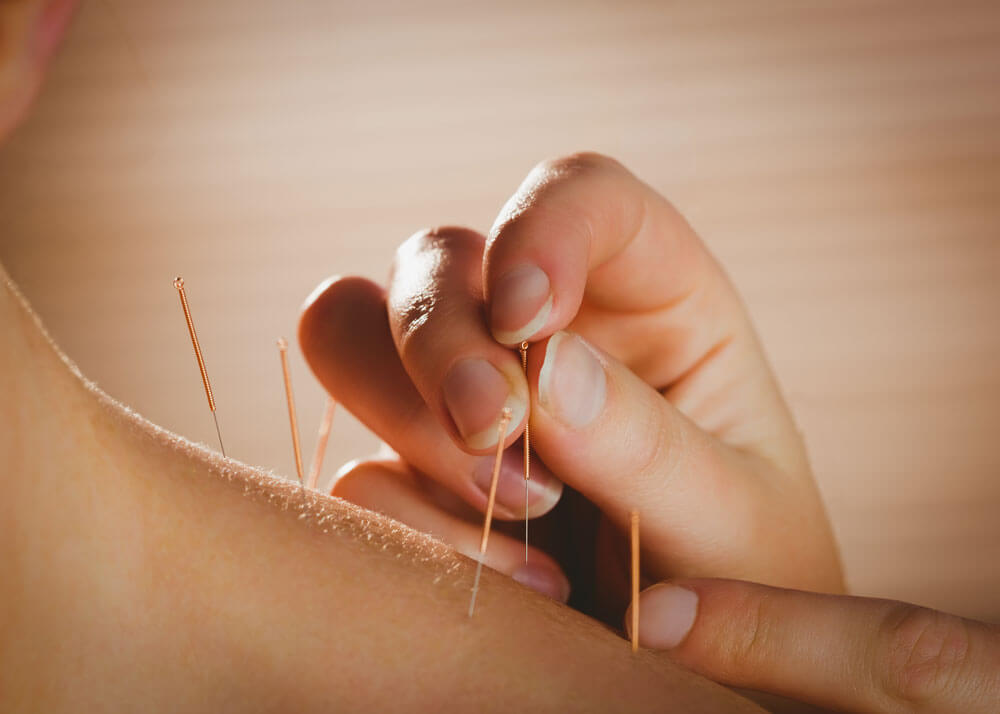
[(571, 382), (544, 580), (544, 489), (476, 393), (666, 614), (521, 303)]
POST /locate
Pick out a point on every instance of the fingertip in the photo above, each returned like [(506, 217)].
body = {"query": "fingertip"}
[(546, 579), (567, 215), (477, 394), (540, 493), (319, 291), (572, 384), (667, 613), (357, 479), (337, 485), (521, 304), (332, 302), (343, 330)]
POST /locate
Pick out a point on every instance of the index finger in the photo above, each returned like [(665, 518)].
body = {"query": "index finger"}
[(583, 227), (583, 243)]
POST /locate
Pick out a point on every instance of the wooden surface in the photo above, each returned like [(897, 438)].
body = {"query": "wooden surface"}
[(842, 159)]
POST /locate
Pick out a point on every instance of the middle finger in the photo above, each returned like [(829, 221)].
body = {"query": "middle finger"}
[(435, 303), (345, 337)]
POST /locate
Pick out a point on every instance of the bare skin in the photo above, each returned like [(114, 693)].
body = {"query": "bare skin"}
[(145, 570)]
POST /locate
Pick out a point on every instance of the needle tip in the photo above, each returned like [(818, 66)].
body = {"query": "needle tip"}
[(179, 282)]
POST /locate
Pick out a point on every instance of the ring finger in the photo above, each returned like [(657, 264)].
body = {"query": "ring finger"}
[(392, 488)]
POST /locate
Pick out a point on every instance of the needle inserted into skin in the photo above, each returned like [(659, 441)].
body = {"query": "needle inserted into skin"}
[(501, 431), (527, 450), (634, 527), (321, 439), (283, 350), (179, 284)]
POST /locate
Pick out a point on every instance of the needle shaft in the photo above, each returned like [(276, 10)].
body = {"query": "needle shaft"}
[(218, 432), (527, 450), (179, 284), (290, 397), (491, 500), (634, 527), (321, 439)]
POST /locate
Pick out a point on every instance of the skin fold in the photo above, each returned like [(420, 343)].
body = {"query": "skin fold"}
[(144, 571)]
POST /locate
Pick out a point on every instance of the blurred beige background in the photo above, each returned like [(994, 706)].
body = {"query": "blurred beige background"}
[(841, 158)]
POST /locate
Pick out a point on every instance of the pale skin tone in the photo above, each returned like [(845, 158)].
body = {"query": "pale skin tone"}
[(649, 390), (648, 386), (144, 570)]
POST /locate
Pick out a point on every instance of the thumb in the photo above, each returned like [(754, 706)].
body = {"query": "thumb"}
[(615, 439), (847, 653)]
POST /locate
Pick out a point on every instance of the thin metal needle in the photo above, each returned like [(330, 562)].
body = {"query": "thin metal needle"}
[(634, 523), (293, 422), (527, 449), (218, 432), (321, 439), (501, 432), (179, 284)]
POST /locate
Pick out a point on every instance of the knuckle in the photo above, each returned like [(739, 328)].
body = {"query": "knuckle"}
[(435, 240), (650, 448), (578, 164), (924, 653), (654, 446), (747, 641), (424, 274), (420, 319), (413, 315), (548, 180)]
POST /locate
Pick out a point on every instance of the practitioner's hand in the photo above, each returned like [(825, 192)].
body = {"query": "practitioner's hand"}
[(845, 653), (30, 31), (648, 387)]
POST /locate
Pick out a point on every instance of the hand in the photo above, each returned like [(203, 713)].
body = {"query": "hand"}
[(648, 388), (847, 653), (30, 32)]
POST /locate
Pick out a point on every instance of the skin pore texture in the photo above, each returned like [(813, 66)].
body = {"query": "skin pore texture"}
[(142, 571)]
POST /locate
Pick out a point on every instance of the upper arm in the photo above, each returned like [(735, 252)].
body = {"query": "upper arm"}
[(153, 571)]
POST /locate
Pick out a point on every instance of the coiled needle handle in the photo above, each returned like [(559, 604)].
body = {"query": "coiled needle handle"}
[(491, 500), (179, 284)]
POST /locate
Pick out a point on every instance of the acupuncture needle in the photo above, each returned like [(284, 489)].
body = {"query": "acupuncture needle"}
[(293, 422), (321, 439), (634, 526), (179, 284), (501, 433), (527, 449)]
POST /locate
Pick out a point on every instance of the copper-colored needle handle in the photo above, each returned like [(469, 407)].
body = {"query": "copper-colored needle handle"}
[(179, 284), (491, 500), (634, 527)]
